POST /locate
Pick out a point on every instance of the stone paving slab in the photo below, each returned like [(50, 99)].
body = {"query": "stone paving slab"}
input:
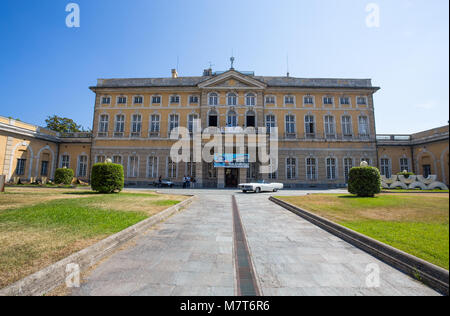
[(295, 257), (192, 254)]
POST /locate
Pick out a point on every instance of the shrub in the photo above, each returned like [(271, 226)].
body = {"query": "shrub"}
[(107, 177), (406, 174), (364, 181), (63, 176)]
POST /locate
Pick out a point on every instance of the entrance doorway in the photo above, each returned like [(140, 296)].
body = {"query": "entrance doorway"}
[(231, 178)]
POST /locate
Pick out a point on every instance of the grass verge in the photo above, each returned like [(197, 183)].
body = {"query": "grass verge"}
[(416, 224), (41, 226)]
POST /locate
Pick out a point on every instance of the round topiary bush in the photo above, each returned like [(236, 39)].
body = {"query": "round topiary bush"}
[(364, 181), (63, 176), (107, 178)]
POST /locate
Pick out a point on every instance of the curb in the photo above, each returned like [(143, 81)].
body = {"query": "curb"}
[(49, 278), (435, 277)]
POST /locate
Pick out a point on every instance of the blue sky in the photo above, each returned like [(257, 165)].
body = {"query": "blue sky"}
[(46, 68)]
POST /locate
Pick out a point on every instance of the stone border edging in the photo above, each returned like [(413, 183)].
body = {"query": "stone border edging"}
[(435, 277), (47, 279)]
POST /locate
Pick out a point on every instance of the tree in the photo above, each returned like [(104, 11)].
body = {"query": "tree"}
[(62, 124)]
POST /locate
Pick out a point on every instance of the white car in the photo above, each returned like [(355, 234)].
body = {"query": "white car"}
[(260, 186)]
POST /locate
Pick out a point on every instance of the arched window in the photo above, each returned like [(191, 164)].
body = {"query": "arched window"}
[(231, 119), (213, 98), (232, 99), (250, 99)]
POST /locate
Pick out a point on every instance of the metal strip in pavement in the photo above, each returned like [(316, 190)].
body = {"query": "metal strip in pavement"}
[(245, 274)]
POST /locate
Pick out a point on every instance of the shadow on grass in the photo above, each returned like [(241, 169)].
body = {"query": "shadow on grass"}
[(356, 197)]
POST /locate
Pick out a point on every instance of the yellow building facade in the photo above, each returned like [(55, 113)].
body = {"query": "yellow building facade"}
[(325, 127)]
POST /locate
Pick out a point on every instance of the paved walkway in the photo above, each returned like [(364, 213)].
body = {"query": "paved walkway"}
[(192, 254)]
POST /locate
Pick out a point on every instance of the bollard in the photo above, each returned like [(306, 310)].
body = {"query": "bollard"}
[(2, 183)]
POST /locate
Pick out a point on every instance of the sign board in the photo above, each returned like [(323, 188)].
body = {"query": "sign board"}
[(231, 161)]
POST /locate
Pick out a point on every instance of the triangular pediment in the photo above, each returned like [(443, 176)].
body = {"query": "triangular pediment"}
[(232, 80)]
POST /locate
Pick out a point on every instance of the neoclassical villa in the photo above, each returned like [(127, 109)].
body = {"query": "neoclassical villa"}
[(325, 127)]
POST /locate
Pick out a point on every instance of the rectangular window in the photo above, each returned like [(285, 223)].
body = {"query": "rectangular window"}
[(289, 99), (82, 166), (329, 126), (328, 100), (106, 100), (347, 126), (152, 167), (385, 167), (122, 100), (191, 168), (191, 119), (100, 159), (212, 172), (404, 164), (270, 122), (154, 125), (193, 99), (270, 100), (117, 159), (173, 122), (252, 171), (291, 168), (138, 100), (348, 164), (308, 100), (311, 169), (65, 161), (133, 167), (136, 125), (120, 125), (290, 126), (363, 126), (171, 168), (345, 100), (104, 123), (175, 99), (20, 169), (361, 100), (310, 128), (331, 168), (156, 99)]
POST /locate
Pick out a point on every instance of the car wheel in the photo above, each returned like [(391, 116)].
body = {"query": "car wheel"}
[(245, 191), (275, 190), (258, 190)]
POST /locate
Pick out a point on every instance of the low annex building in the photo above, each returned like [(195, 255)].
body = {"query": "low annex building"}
[(325, 127)]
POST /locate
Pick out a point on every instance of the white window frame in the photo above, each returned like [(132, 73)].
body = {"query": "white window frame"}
[(347, 167), (152, 169), (250, 99), (117, 161), (386, 170), (133, 169), (291, 170), (293, 100), (329, 125), (173, 124), (119, 97), (103, 126), (153, 131), (190, 119), (403, 166), (270, 124), (271, 103), (176, 101), (311, 169), (136, 125), (234, 98), (65, 163), (102, 99), (309, 133), (331, 169), (156, 96), (213, 99), (367, 126), (171, 169), (232, 119), (347, 125), (194, 96), (345, 97), (82, 169), (291, 123), (312, 99), (327, 97), (120, 124), (366, 101)]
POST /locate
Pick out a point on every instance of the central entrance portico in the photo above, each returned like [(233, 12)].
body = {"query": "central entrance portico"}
[(231, 177)]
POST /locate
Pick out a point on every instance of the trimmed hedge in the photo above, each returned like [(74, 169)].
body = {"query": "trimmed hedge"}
[(64, 176), (406, 174), (364, 181), (107, 178)]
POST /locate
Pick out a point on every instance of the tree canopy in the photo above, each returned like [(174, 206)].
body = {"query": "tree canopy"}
[(63, 125)]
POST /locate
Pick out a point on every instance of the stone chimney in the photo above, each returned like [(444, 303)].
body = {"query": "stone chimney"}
[(207, 72), (174, 73)]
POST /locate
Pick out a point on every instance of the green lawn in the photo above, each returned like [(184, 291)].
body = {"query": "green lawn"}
[(415, 223), (41, 226)]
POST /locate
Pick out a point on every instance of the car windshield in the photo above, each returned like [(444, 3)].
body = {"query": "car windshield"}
[(261, 181)]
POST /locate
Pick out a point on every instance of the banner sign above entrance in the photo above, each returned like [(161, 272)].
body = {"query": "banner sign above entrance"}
[(231, 161)]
